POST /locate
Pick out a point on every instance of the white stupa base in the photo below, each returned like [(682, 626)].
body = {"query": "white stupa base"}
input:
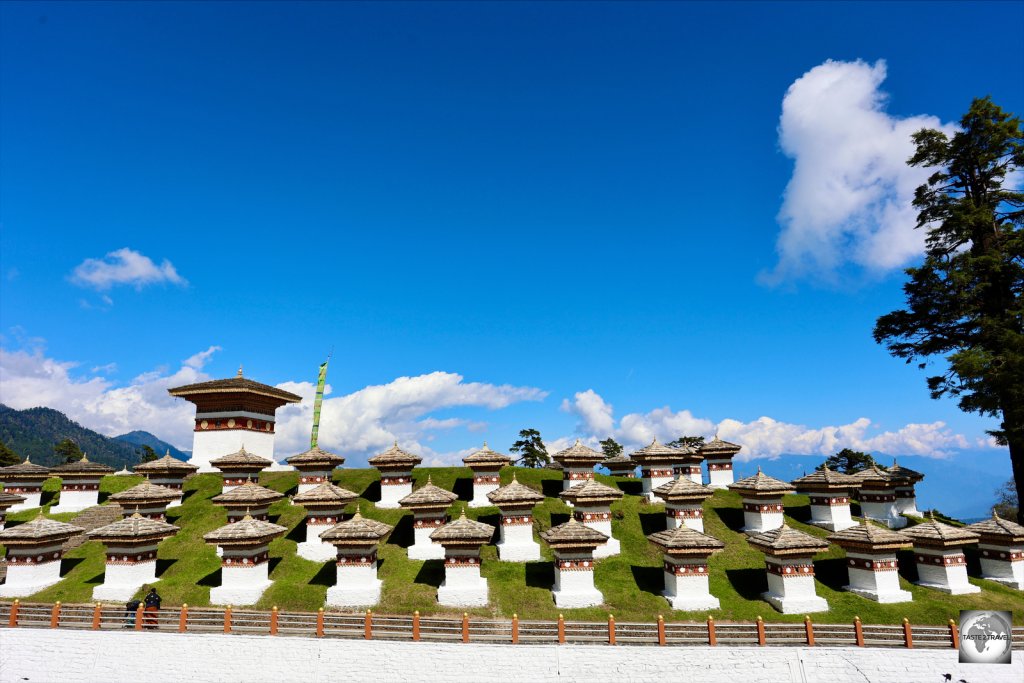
[(832, 517), (175, 503), (610, 548), (959, 589), (363, 595), (695, 523), (579, 597), (1012, 583), (75, 501), (280, 467), (425, 551), (692, 603), (464, 594), (719, 479), (518, 552), (317, 551), (121, 581), (757, 522), (885, 597), (796, 605), (648, 484), (995, 565), (213, 444), (239, 595), (884, 513), (948, 579), (25, 580), (31, 502), (480, 492), (391, 494)]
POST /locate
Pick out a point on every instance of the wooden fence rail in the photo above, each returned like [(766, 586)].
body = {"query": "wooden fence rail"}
[(371, 626)]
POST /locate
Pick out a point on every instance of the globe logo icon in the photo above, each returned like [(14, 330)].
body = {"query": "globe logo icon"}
[(985, 637)]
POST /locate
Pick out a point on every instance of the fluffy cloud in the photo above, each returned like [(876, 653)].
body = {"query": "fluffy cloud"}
[(849, 199), (124, 267), (761, 438)]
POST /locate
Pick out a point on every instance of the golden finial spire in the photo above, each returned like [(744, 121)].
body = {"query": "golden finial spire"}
[(239, 369), (463, 514), (995, 514), (85, 457)]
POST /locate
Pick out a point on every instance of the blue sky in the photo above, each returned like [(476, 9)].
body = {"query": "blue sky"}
[(555, 197)]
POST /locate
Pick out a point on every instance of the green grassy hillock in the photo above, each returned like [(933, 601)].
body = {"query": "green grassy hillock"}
[(631, 582)]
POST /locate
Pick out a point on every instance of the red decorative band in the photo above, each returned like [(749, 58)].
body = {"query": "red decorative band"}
[(576, 565), (486, 479), (578, 476), (131, 559), (157, 515), (1012, 556), (245, 424), (395, 481), (13, 488), (839, 501), (236, 515), (428, 523), (517, 520), (244, 561), (33, 559), (312, 479), (942, 560), (322, 521), (688, 513), (686, 569), (790, 570), (238, 480), (878, 497), (591, 516), (80, 487), (655, 474), (719, 466), (357, 560), (905, 493), (872, 565), (686, 469), (762, 507), (461, 561)]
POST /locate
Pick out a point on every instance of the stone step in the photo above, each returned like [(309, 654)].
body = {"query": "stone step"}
[(92, 518)]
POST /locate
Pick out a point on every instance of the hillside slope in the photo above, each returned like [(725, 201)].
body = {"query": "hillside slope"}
[(140, 438)]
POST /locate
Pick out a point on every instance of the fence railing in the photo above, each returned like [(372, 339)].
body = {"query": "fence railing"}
[(372, 626)]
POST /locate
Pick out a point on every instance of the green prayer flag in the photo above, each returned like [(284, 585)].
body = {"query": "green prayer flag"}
[(321, 380)]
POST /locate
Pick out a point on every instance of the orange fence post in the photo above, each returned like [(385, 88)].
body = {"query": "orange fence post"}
[(661, 630), (561, 629), (97, 612), (465, 627), (55, 615), (954, 635), (368, 625), (416, 625), (611, 629), (760, 631), (515, 628), (183, 619), (712, 636), (12, 619), (858, 631), (227, 619), (273, 620), (908, 636), (809, 630), (138, 617), (320, 623)]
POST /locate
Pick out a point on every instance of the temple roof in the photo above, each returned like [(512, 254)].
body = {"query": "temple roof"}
[(24, 468), (683, 538), (83, 466), (872, 536), (245, 530), (514, 492), (134, 527), (241, 458), (146, 491), (166, 464), (905, 472), (573, 534), (657, 450), (578, 454), (590, 492), (486, 456), (718, 447), (358, 528), (826, 478), (238, 384), (39, 529), (9, 499), (316, 456), (428, 494), (999, 527), (761, 483), (463, 530), (325, 493), (395, 456), (787, 541), (935, 532), (249, 493), (619, 461), (683, 488), (876, 475)]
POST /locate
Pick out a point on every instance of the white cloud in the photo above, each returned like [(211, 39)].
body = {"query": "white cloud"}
[(124, 267), (849, 198), (763, 437)]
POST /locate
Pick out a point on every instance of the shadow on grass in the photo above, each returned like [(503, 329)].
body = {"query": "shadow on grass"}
[(185, 495), (162, 566), (651, 522), (631, 487), (272, 564), (463, 488), (731, 517), (559, 518), (832, 572), (69, 563), (327, 576), (973, 561), (95, 580), (47, 497), (431, 573), (298, 532), (551, 487), (101, 498), (403, 535), (749, 583), (371, 492), (855, 509), (495, 521), (906, 565), (801, 513), (540, 574), (212, 579), (649, 579)]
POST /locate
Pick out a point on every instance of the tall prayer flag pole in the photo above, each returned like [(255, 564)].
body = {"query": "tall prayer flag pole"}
[(321, 380)]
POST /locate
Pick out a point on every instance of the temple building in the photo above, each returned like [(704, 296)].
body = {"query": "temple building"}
[(877, 496), (486, 465), (787, 555), (395, 467), (578, 462), (688, 465), (244, 562), (240, 467), (168, 472), (620, 466), (232, 412), (131, 547), (685, 557), (316, 466), (592, 501), (25, 479), (684, 503), (515, 502), (79, 485), (573, 545), (871, 561), (718, 455), (325, 507), (356, 583), (147, 499), (248, 499), (8, 500), (762, 501), (906, 497), (656, 462), (34, 551), (829, 492), (1001, 550), (429, 505), (939, 554), (462, 539)]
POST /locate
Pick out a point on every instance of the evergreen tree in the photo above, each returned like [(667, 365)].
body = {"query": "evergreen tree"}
[(7, 456), (532, 452), (611, 448), (67, 451), (148, 454), (694, 442), (848, 461)]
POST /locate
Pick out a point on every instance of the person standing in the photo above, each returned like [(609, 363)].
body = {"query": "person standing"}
[(151, 606)]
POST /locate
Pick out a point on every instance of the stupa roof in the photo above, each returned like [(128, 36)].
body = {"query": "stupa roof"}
[(463, 530), (83, 466), (619, 461), (573, 534), (123, 472), (165, 465), (761, 483), (39, 529), (486, 456), (683, 488), (241, 458), (249, 493), (876, 475), (515, 493), (316, 456), (787, 541), (905, 472), (657, 451), (554, 465), (237, 384), (1001, 529), (9, 499), (934, 532), (578, 454), (395, 456), (825, 479), (871, 536), (146, 491), (428, 494), (24, 468), (325, 493), (134, 527), (358, 528), (590, 492), (683, 541), (718, 447), (246, 531)]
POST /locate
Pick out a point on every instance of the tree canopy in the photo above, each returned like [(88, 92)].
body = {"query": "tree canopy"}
[(610, 447), (147, 454), (532, 452), (67, 451), (7, 456), (965, 302), (848, 461), (688, 441)]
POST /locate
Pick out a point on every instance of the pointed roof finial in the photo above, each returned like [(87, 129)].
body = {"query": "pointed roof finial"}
[(577, 442), (995, 514), (463, 515), (85, 457), (28, 460), (247, 517), (514, 481), (931, 514), (430, 480), (485, 444), (239, 369), (168, 453)]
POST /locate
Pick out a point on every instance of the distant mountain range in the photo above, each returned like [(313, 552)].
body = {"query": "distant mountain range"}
[(33, 432)]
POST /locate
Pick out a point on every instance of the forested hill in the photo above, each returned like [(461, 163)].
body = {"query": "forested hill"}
[(139, 438), (33, 432)]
